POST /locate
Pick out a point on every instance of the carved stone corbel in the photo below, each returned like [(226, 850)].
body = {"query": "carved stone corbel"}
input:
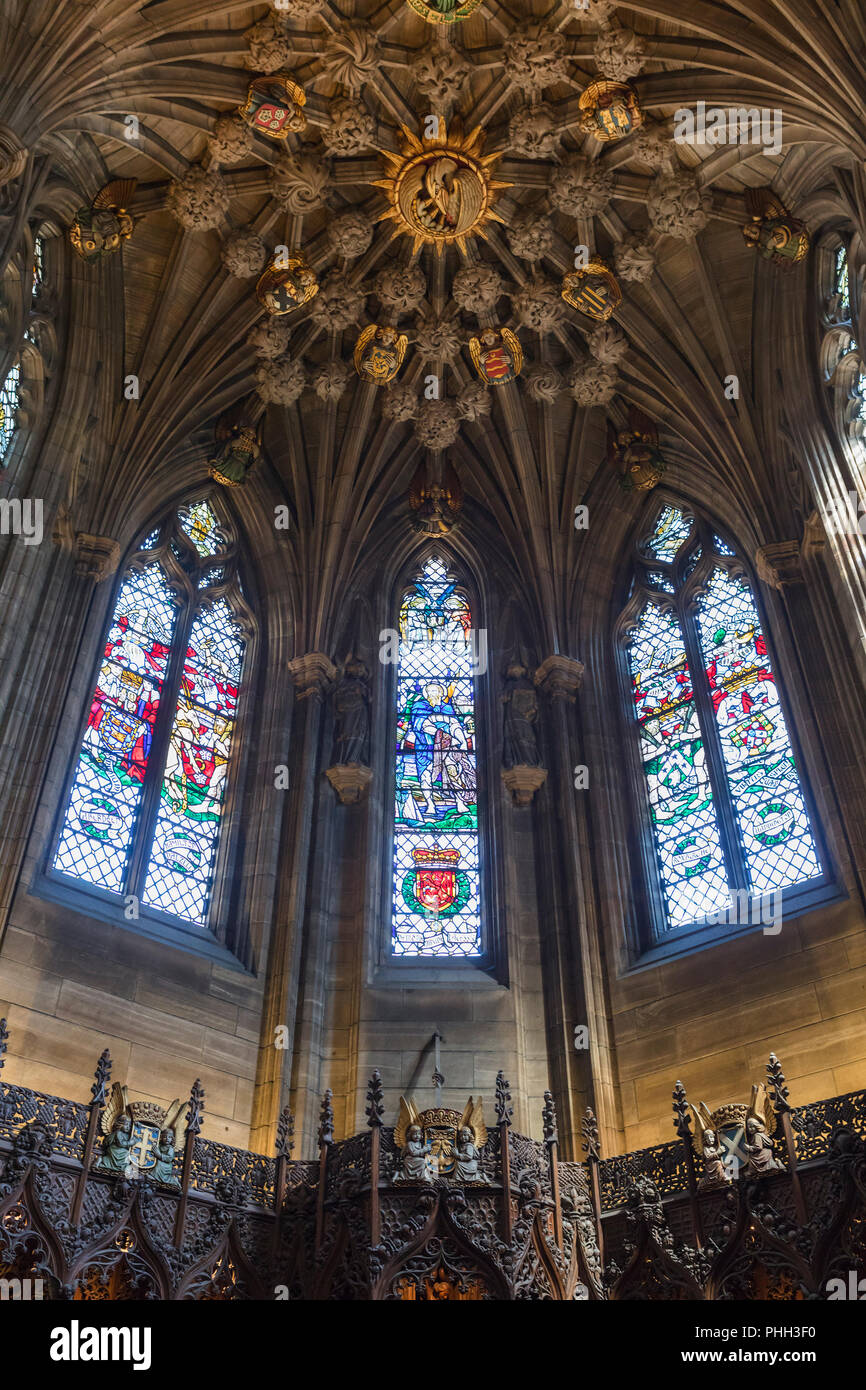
[(96, 557), (523, 781), (313, 675), (779, 564), (350, 781), (560, 677)]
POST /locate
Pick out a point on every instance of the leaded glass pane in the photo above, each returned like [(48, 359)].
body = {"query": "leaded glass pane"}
[(8, 406), (106, 794), (193, 785), (840, 284), (436, 907), (685, 830), (771, 815), (38, 268), (670, 531), (202, 527)]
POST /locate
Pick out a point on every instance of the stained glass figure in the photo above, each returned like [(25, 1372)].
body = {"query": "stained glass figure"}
[(193, 784), (772, 820), (169, 680), (38, 268), (726, 806), (436, 888), (671, 529), (109, 782), (687, 840), (840, 284), (9, 393), (202, 527)]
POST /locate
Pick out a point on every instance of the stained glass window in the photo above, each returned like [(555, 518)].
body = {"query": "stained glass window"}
[(145, 805), (725, 803), (9, 392), (38, 268), (436, 887), (840, 284)]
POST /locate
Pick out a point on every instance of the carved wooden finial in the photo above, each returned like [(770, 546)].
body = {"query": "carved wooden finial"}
[(682, 1117), (102, 1078), (778, 1089), (589, 1131), (285, 1133), (375, 1100), (504, 1108), (326, 1124), (196, 1108), (548, 1116)]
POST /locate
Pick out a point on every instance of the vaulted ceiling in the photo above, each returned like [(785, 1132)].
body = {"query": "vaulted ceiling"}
[(214, 200)]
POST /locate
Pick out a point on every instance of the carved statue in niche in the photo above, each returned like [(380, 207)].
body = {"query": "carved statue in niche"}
[(352, 714), (520, 748)]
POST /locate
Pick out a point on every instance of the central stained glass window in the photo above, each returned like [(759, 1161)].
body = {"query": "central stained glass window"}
[(144, 809), (436, 907), (725, 802)]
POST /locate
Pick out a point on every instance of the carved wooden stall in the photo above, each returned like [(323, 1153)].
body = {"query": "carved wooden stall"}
[(96, 1203)]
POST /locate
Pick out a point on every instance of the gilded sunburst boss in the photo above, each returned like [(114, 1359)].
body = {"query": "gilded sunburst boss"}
[(444, 11), (440, 188)]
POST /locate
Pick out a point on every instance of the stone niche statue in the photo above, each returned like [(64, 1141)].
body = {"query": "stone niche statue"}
[(522, 773), (350, 775), (520, 748), (352, 714)]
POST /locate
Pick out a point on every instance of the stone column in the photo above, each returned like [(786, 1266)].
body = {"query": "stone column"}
[(312, 675), (571, 943)]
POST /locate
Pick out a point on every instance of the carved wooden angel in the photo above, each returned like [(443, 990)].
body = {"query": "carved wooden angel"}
[(116, 1124), (417, 1163), (705, 1142), (760, 1123), (471, 1138)]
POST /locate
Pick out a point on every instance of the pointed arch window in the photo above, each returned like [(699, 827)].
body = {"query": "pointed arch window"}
[(10, 391), (842, 357), (147, 795), (726, 807), (435, 871)]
